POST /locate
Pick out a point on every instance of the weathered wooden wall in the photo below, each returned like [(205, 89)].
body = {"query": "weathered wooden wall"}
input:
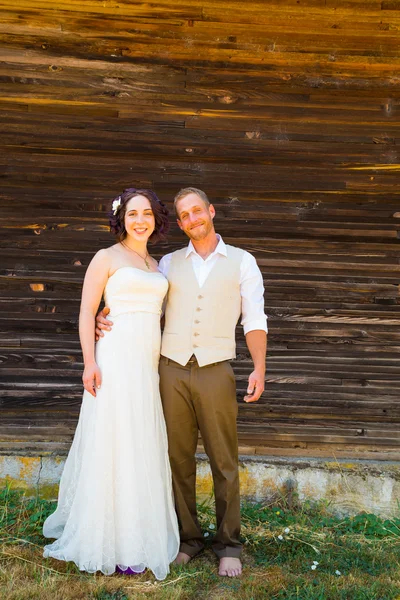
[(287, 113)]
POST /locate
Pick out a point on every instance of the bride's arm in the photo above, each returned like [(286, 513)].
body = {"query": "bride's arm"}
[(93, 287)]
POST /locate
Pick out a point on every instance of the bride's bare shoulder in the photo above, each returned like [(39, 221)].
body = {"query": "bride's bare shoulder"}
[(108, 253), (113, 248), (104, 256)]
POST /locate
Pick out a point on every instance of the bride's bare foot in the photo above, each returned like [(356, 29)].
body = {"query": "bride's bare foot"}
[(182, 559), (230, 567)]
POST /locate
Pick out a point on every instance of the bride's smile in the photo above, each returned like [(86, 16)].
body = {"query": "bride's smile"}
[(139, 219)]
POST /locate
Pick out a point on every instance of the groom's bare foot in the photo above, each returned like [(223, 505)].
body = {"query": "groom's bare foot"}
[(230, 567), (182, 559)]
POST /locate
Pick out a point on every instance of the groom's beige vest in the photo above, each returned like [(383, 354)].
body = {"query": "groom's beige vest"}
[(202, 321)]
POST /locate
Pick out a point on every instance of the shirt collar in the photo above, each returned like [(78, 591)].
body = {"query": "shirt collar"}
[(220, 249)]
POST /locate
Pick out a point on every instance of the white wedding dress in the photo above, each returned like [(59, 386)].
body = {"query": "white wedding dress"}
[(115, 504)]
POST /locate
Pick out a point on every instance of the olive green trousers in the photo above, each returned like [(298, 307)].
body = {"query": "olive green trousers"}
[(203, 399)]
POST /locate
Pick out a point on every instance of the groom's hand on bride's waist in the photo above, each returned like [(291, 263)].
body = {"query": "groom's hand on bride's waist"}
[(102, 323)]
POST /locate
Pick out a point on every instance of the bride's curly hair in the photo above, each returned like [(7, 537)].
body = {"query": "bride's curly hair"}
[(159, 209)]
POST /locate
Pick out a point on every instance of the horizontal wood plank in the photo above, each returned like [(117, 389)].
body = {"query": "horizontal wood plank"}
[(287, 114)]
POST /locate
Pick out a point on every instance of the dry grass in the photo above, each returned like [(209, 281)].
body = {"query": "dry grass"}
[(365, 550)]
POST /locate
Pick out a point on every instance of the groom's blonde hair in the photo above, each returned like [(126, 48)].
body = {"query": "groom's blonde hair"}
[(190, 190)]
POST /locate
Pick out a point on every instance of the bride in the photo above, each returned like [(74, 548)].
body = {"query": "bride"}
[(115, 507)]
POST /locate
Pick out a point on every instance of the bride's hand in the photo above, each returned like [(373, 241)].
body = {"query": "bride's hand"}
[(102, 323), (91, 378)]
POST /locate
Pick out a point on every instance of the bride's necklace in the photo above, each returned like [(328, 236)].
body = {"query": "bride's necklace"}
[(146, 262)]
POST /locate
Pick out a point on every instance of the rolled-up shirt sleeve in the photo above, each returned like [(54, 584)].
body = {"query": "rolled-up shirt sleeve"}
[(252, 293)]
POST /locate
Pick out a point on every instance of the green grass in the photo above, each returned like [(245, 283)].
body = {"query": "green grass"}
[(354, 558)]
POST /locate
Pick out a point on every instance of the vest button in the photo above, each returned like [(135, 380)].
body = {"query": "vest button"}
[(200, 297), (198, 309), (196, 333), (197, 321), (195, 346)]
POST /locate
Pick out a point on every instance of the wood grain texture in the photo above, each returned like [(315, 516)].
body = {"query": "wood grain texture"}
[(287, 114)]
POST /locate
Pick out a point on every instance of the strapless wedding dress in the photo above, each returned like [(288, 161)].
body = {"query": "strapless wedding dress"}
[(115, 504)]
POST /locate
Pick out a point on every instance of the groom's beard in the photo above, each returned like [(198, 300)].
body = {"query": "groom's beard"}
[(199, 233)]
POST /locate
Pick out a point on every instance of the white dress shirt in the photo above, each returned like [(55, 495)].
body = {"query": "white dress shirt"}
[(251, 282)]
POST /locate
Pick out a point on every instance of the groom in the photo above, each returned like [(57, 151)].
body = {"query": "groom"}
[(210, 285)]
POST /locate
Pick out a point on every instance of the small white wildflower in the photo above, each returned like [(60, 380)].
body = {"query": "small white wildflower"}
[(313, 567), (211, 526), (280, 537), (337, 572), (287, 530), (206, 534), (315, 562)]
